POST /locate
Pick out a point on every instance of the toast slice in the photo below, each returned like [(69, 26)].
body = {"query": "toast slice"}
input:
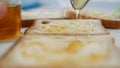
[(29, 17), (68, 26), (108, 20), (62, 51)]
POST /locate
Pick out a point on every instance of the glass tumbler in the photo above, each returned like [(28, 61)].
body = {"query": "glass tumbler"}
[(10, 23)]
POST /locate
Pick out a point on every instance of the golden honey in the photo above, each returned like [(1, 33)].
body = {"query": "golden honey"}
[(10, 24)]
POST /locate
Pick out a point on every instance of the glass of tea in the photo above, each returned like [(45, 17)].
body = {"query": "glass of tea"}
[(10, 23)]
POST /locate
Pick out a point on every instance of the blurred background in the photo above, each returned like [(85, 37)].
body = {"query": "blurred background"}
[(97, 5)]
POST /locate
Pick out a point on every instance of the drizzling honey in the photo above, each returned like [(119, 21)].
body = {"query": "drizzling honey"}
[(78, 5)]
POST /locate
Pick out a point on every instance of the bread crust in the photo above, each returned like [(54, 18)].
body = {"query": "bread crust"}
[(107, 23), (27, 23)]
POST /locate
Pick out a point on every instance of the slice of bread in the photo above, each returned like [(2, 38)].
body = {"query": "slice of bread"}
[(68, 26), (108, 20), (62, 51), (30, 22), (28, 17)]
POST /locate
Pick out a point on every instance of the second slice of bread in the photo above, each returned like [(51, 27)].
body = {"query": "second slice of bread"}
[(108, 20), (68, 26)]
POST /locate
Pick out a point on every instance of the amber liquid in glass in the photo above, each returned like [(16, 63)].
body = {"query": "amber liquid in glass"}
[(10, 24)]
